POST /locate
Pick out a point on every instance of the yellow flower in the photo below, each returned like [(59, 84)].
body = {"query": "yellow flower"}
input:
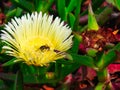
[(37, 39)]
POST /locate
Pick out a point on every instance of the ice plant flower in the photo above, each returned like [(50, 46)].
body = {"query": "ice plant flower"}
[(37, 39)]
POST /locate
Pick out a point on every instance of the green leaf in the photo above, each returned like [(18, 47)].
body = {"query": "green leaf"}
[(71, 20), (39, 4), (78, 7), (28, 79), (18, 12), (37, 73), (115, 3), (106, 59), (99, 59), (30, 69), (48, 5), (104, 15), (42, 5), (11, 13), (65, 67), (72, 5), (15, 12), (27, 69), (109, 58), (61, 9), (1, 45), (75, 46), (117, 47), (99, 86), (77, 16), (92, 23), (18, 85), (69, 57), (84, 60), (78, 36), (92, 52), (111, 2), (11, 62), (24, 4)]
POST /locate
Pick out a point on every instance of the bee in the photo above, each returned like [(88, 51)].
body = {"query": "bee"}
[(44, 48), (57, 51)]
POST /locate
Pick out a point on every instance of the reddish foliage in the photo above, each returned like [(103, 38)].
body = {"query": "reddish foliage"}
[(98, 39), (68, 79), (112, 68), (2, 18)]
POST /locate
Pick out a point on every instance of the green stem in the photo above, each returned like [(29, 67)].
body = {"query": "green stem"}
[(104, 80)]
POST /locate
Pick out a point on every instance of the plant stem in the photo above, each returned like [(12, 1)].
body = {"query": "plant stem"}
[(104, 80)]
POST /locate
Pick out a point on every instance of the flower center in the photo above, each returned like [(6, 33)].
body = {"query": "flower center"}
[(38, 51), (40, 43)]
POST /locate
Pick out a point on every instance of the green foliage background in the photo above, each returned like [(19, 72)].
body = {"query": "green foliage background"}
[(16, 75)]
